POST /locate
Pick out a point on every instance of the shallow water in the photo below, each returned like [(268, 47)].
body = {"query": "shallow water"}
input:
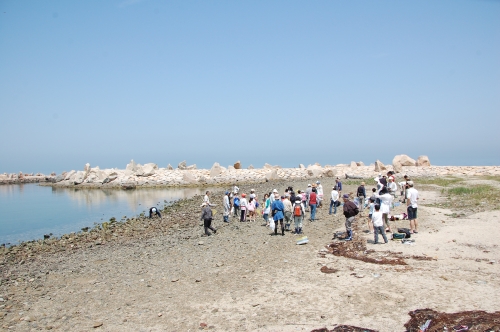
[(28, 211)]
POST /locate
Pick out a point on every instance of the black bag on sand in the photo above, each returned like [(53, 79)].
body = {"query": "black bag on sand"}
[(405, 231), (398, 236)]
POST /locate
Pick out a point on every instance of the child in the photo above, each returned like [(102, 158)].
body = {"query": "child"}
[(243, 207), (371, 205), (206, 216), (251, 209), (236, 204), (378, 224), (298, 215)]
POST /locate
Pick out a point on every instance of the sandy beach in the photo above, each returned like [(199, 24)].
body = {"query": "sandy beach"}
[(162, 275)]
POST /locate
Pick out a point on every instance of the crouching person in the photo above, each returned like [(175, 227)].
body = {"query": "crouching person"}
[(153, 211), (350, 211), (206, 216)]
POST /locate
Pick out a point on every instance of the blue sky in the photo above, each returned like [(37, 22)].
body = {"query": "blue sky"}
[(283, 82)]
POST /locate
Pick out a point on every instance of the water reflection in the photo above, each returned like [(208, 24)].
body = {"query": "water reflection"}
[(27, 211)]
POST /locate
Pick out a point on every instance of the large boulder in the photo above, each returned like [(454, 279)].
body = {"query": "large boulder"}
[(353, 164), (267, 166), (237, 165), (79, 177), (315, 170), (423, 161), (132, 166), (272, 175), (169, 167), (189, 178), (149, 169), (59, 178), (69, 174), (379, 167), (360, 163), (329, 173), (230, 168), (182, 165), (301, 166), (111, 176), (138, 170), (191, 167), (402, 160), (251, 167), (215, 170)]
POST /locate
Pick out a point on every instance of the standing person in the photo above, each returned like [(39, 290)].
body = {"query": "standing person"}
[(267, 208), (251, 209), (243, 207), (350, 211), (371, 206), (385, 206), (319, 190), (392, 187), (277, 207), (312, 203), (236, 190), (206, 216), (227, 206), (304, 199), (412, 198), (378, 225), (361, 193), (206, 199), (334, 197), (288, 212), (236, 204), (308, 194), (298, 215), (273, 196), (339, 185), (404, 187), (153, 211)]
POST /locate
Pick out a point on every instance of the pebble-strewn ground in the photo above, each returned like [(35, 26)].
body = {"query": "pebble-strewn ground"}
[(162, 275)]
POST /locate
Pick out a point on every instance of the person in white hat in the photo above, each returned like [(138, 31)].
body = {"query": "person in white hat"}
[(206, 216), (319, 190)]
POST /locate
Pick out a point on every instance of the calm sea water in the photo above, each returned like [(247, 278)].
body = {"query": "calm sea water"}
[(28, 211)]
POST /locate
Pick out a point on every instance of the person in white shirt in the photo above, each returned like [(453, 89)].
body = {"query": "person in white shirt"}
[(333, 200), (411, 203), (236, 190), (227, 206), (393, 188), (385, 205), (378, 224), (243, 207), (319, 193)]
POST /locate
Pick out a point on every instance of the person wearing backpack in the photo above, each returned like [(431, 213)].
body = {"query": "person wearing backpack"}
[(277, 207), (236, 204), (298, 215), (350, 211)]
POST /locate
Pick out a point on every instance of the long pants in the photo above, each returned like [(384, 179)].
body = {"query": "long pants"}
[(207, 223), (332, 204), (377, 230), (243, 215), (288, 216), (236, 211), (298, 221), (313, 211), (348, 223), (266, 216), (361, 204)]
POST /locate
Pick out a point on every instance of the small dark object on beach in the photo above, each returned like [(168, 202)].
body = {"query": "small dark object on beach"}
[(46, 236), (344, 328), (326, 269)]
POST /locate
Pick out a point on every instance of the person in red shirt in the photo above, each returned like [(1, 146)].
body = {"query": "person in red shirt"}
[(313, 201)]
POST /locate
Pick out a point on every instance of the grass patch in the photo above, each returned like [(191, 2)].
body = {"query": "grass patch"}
[(492, 177), (471, 199), (357, 182), (442, 182)]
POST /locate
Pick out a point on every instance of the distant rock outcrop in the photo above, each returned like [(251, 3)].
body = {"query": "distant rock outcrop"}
[(423, 161), (402, 160)]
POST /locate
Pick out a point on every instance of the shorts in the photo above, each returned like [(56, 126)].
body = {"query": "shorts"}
[(412, 213)]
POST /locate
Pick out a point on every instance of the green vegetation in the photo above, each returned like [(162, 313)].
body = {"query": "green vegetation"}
[(474, 198), (442, 182), (492, 177)]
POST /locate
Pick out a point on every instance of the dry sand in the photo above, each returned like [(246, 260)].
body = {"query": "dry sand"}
[(244, 279)]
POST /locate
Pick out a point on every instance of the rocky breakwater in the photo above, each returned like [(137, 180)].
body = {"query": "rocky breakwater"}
[(150, 175), (14, 178)]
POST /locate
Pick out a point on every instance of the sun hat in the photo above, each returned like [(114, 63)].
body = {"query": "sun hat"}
[(252, 190), (309, 185), (226, 193), (410, 183), (275, 191), (363, 183), (243, 195), (317, 182), (345, 196)]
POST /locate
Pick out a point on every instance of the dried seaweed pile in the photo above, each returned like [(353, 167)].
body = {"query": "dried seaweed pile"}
[(460, 321), (344, 328)]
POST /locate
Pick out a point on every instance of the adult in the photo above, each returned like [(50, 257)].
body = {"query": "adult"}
[(236, 190), (312, 203), (392, 187), (153, 211), (252, 194), (206, 216), (298, 215), (334, 197), (319, 189), (350, 211), (385, 205), (412, 198), (361, 194), (278, 208), (308, 194), (227, 206), (288, 211), (267, 208), (236, 205), (206, 199), (338, 184), (243, 207), (404, 187)]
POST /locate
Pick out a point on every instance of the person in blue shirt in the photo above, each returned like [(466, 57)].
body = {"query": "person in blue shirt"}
[(278, 209), (338, 184)]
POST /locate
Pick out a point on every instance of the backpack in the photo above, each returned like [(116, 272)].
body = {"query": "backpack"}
[(236, 201), (297, 211)]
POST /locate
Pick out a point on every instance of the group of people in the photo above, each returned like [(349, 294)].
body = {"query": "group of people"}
[(380, 204)]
